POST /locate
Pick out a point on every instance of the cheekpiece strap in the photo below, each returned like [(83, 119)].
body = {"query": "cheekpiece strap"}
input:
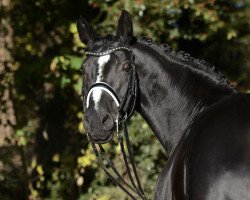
[(106, 52)]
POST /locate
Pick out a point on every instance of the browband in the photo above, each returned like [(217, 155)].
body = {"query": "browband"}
[(106, 52)]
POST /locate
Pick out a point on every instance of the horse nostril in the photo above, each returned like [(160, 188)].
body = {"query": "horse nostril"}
[(107, 122), (86, 119), (105, 118), (86, 122)]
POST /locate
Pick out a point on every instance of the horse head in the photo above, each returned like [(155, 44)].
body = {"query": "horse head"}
[(109, 78)]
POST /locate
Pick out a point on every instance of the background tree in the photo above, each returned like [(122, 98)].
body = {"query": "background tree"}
[(46, 155)]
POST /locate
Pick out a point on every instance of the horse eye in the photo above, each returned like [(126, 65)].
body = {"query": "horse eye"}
[(126, 67)]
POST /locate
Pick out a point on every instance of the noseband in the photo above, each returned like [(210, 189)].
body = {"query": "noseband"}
[(125, 109)]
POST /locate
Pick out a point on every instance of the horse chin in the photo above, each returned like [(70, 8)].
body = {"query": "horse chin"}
[(110, 137)]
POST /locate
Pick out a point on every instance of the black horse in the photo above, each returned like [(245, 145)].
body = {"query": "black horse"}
[(199, 119)]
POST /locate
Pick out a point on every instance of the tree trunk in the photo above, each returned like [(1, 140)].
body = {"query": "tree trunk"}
[(7, 114)]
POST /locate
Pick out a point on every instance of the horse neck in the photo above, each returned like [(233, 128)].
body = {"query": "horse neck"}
[(171, 94)]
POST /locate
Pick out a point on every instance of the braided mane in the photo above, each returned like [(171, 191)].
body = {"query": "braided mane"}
[(200, 65)]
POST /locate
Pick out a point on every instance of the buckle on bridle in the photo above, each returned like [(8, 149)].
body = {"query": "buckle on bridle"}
[(120, 120), (117, 127)]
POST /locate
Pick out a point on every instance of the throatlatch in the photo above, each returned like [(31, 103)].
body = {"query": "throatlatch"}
[(124, 112)]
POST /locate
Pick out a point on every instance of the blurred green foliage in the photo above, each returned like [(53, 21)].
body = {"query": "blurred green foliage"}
[(47, 155)]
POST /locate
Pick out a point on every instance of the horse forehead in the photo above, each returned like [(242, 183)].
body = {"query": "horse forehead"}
[(103, 60)]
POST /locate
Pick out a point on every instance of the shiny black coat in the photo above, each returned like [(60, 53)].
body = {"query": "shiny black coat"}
[(212, 160)]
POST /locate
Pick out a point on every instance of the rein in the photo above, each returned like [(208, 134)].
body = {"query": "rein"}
[(125, 109)]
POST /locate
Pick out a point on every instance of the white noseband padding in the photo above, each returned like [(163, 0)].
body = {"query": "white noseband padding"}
[(104, 89)]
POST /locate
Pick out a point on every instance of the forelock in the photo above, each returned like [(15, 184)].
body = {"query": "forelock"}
[(105, 43)]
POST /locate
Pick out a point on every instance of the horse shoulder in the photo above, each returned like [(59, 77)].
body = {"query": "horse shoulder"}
[(218, 151)]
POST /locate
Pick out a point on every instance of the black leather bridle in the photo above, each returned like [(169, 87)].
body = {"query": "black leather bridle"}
[(125, 109)]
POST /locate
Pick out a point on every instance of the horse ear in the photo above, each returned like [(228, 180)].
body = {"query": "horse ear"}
[(85, 31), (125, 27)]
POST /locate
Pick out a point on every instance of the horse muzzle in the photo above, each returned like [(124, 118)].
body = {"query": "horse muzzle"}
[(100, 127)]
